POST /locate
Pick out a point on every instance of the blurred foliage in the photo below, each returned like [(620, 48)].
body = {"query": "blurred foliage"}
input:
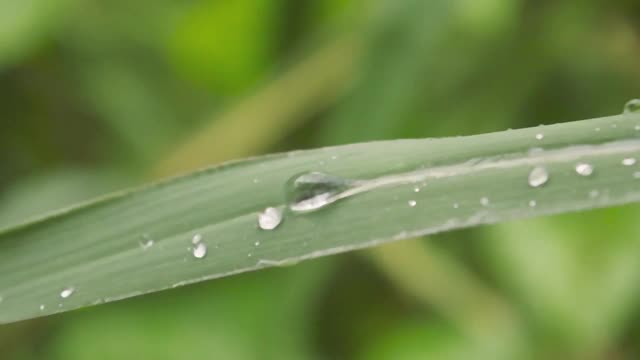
[(97, 95)]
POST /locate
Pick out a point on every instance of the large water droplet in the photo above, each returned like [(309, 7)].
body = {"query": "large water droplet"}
[(629, 161), (539, 136), (412, 203), (632, 106), (200, 250), (66, 292), (270, 218), (584, 169), (314, 190), (538, 176)]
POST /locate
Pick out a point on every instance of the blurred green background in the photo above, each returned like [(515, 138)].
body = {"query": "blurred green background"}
[(97, 95)]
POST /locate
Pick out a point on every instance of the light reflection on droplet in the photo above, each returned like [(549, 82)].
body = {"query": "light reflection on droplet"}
[(67, 292), (199, 250), (584, 169), (196, 239), (270, 218), (628, 161), (538, 176)]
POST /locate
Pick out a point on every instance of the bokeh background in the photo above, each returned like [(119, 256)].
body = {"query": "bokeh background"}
[(98, 95)]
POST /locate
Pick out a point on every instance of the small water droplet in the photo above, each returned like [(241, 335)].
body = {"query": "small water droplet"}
[(314, 190), (594, 194), (416, 189), (584, 169), (456, 205), (146, 242), (334, 157), (539, 136), (484, 201), (636, 128), (196, 239), (270, 218), (255, 181), (257, 243), (632, 106), (412, 203), (66, 292), (628, 161), (532, 203), (597, 129), (613, 126), (538, 176), (636, 175), (41, 307), (200, 250)]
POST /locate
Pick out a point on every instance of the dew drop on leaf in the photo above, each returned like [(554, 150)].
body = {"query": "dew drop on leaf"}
[(196, 239), (538, 176), (584, 169), (314, 190), (270, 218), (628, 161), (67, 292), (146, 242), (200, 250)]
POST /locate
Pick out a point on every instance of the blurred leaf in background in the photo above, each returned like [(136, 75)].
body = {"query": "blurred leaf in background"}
[(98, 95)]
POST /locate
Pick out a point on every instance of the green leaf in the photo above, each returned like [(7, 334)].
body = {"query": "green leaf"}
[(95, 248)]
